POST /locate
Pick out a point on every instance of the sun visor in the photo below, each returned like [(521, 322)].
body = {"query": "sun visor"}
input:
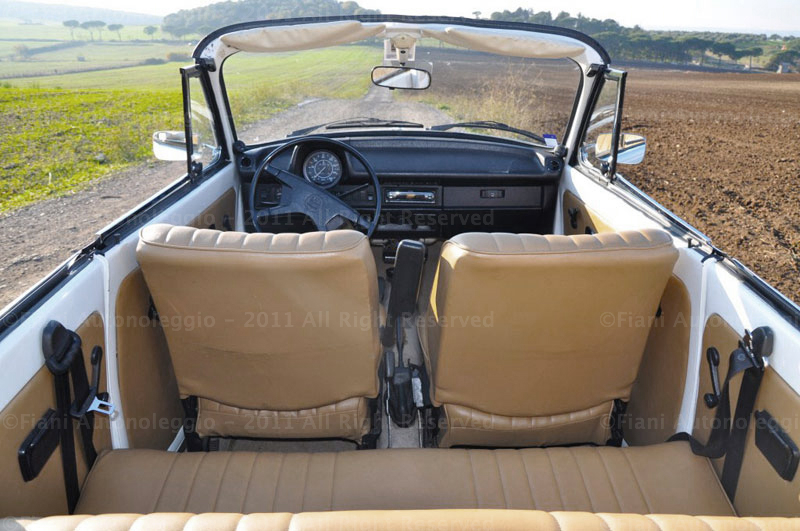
[(508, 42), (301, 36)]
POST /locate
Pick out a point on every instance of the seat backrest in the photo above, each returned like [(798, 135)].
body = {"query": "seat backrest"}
[(278, 322), (524, 325)]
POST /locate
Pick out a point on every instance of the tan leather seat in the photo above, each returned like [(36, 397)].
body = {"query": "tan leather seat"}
[(529, 339), (665, 478), (276, 334), (474, 520)]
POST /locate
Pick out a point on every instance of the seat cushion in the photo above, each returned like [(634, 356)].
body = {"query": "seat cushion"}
[(470, 427), (665, 478), (475, 520), (531, 326), (349, 419)]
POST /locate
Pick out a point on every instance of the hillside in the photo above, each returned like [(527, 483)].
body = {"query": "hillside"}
[(703, 48), (206, 19), (37, 13)]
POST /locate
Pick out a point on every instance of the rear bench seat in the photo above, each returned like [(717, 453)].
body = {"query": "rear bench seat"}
[(665, 478), (474, 520)]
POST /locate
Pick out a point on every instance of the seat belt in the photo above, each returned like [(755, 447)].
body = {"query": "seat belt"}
[(729, 434), (64, 358), (61, 347)]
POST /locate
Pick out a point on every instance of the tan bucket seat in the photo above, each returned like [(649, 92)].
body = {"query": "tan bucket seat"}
[(529, 339), (275, 334)]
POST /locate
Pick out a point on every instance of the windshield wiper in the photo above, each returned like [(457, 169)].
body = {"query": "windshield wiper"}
[(355, 122), (489, 124)]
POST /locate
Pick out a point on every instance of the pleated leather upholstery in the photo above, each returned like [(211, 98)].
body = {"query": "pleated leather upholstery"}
[(665, 478)]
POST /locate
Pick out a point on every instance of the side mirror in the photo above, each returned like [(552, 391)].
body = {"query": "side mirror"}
[(401, 77), (631, 148), (169, 145)]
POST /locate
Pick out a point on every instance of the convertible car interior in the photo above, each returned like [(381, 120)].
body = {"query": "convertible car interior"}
[(376, 325)]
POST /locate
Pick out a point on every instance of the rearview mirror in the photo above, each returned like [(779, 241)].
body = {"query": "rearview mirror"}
[(169, 145), (631, 148), (401, 77)]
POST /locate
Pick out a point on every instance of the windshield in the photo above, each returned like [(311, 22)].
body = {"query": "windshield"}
[(314, 91)]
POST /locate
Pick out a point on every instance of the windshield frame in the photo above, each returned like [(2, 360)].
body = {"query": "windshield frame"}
[(207, 47)]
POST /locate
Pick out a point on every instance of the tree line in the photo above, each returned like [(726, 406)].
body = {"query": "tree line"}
[(203, 20), (92, 26), (621, 42), (665, 46)]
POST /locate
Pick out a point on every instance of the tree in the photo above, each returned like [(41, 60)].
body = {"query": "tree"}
[(697, 45), (477, 14), (738, 55), (99, 25), (88, 27), (722, 48), (175, 30), (71, 24), (91, 25), (754, 52), (150, 30), (116, 28)]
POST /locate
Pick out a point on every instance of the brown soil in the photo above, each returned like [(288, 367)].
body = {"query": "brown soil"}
[(722, 153)]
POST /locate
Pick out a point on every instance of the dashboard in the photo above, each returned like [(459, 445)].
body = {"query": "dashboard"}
[(432, 187)]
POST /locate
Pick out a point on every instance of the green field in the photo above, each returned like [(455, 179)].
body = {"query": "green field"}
[(57, 140), (64, 131), (26, 50)]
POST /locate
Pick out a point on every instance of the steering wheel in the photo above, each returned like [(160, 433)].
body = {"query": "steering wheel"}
[(299, 195)]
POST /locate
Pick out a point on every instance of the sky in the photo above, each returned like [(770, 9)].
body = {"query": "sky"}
[(764, 16)]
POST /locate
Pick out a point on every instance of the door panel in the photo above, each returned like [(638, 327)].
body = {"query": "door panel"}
[(45, 494), (732, 307), (580, 219), (761, 490), (220, 215)]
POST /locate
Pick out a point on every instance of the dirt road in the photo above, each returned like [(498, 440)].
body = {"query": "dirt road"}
[(36, 238), (376, 103)]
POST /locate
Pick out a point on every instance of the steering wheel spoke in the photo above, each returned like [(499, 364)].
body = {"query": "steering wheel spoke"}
[(323, 207)]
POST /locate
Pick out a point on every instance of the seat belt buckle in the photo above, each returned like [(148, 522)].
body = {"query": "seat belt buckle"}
[(101, 406), (93, 401)]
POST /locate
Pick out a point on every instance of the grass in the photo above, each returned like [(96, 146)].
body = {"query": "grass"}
[(531, 94), (261, 85), (57, 140), (82, 57), (62, 132)]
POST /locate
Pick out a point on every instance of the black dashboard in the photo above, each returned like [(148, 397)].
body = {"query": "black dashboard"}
[(431, 186)]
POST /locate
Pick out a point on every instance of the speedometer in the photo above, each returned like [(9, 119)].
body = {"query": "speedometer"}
[(322, 168)]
